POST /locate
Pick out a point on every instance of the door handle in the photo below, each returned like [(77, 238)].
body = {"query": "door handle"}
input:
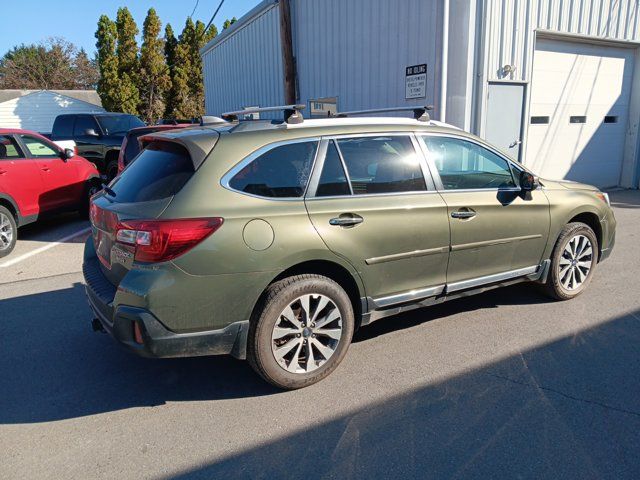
[(463, 214), (515, 143), (3, 172), (346, 220), (45, 169)]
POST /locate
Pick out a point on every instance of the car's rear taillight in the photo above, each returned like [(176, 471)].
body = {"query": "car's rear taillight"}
[(121, 161), (163, 240)]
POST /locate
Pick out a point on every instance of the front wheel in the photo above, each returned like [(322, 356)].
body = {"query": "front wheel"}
[(91, 188), (8, 232), (573, 261), (300, 331)]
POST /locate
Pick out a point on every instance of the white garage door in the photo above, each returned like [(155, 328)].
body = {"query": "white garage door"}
[(579, 111)]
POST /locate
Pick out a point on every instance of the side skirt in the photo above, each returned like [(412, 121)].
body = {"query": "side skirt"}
[(538, 275)]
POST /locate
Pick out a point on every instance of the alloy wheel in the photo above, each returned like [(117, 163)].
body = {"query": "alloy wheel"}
[(575, 262), (6, 232), (306, 333)]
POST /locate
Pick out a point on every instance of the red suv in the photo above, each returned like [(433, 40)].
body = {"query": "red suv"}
[(37, 177)]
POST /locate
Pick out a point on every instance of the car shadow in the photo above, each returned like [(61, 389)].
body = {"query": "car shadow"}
[(53, 367), (52, 228), (569, 409)]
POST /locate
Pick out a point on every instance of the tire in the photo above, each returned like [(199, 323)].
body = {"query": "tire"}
[(111, 170), (8, 232), (271, 333), (569, 275), (91, 188)]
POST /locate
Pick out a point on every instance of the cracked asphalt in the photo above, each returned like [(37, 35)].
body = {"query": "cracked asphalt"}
[(507, 384)]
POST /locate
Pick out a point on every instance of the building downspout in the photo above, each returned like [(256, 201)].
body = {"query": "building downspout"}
[(444, 61)]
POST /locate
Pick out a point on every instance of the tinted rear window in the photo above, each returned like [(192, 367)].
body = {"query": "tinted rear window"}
[(133, 147), (160, 171), (119, 124), (63, 126), (282, 171)]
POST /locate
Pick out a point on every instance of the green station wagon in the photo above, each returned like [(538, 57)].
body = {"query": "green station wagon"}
[(275, 241)]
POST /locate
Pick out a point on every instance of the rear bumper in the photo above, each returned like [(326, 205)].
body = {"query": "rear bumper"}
[(157, 340)]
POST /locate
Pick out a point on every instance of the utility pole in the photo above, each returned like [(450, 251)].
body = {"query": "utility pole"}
[(287, 53)]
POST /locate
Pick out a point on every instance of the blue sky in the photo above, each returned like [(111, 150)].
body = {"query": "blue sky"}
[(30, 21)]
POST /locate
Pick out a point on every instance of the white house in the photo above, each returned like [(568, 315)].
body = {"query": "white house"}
[(37, 109)]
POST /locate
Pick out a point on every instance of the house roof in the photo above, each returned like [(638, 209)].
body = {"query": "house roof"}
[(87, 96)]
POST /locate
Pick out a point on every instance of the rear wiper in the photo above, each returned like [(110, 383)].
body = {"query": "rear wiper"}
[(108, 191)]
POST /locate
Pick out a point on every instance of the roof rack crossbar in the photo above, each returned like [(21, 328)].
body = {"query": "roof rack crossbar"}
[(419, 112), (291, 112)]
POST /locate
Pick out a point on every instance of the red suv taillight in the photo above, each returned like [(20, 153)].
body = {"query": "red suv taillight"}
[(163, 240)]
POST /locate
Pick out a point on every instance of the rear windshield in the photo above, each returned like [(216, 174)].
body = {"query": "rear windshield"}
[(160, 171), (119, 124)]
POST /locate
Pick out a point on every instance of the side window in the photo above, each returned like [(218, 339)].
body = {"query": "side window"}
[(282, 171), (466, 165), (63, 125), (39, 148), (84, 123), (9, 149), (385, 164), (333, 180)]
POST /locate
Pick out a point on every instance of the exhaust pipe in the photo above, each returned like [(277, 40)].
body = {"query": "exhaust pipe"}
[(97, 326)]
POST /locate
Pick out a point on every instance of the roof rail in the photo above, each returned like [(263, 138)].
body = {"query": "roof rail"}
[(292, 113), (419, 113)]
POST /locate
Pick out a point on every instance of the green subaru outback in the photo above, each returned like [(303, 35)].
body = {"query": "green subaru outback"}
[(275, 241)]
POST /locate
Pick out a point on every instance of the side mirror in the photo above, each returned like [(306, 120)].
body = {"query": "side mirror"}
[(68, 154), (90, 132), (528, 181)]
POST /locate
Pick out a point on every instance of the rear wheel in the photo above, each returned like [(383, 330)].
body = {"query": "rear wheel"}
[(8, 232), (301, 331), (91, 188), (112, 170), (573, 261)]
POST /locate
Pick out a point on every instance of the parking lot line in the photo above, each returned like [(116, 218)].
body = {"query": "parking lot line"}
[(44, 248)]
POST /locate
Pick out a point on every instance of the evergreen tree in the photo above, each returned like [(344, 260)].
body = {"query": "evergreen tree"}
[(108, 84), (128, 62), (154, 75), (227, 23), (170, 46)]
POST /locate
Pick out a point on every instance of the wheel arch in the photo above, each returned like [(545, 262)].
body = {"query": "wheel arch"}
[(8, 202), (593, 221), (340, 274)]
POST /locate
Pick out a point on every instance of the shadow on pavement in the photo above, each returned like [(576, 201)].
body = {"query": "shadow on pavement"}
[(531, 415)]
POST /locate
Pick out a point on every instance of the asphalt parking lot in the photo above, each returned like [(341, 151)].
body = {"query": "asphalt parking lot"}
[(504, 385)]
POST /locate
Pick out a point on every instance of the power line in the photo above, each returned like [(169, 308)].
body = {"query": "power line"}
[(214, 16), (195, 8)]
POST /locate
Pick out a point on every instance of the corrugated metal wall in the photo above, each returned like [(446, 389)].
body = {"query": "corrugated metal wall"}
[(245, 68), (357, 50), (510, 26)]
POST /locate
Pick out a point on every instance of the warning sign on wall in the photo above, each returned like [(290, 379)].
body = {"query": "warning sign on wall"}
[(416, 81)]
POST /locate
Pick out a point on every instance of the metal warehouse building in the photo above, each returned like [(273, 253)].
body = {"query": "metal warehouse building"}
[(553, 83)]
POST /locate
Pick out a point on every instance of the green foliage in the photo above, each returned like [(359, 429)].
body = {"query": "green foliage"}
[(109, 83), (154, 74), (54, 65), (227, 23), (163, 78), (128, 61)]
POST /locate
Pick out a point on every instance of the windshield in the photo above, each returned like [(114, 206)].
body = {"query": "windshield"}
[(119, 124)]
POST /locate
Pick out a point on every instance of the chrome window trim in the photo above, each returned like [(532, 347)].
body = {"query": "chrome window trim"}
[(436, 173), (227, 177), (426, 174)]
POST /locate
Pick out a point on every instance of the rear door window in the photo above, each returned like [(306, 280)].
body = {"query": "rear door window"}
[(384, 164), (9, 149), (160, 171), (333, 180), (281, 171), (63, 126)]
